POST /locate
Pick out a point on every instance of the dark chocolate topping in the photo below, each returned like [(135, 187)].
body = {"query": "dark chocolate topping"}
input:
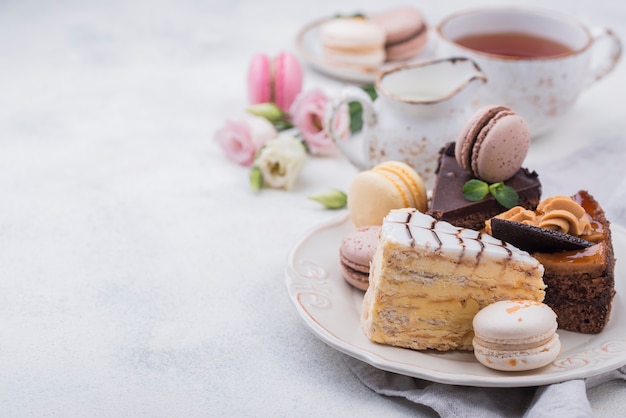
[(449, 204), (534, 239)]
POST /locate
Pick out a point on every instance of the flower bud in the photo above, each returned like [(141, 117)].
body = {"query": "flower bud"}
[(332, 199), (269, 111), (256, 179)]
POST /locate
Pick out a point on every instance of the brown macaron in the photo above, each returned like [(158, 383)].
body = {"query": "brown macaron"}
[(355, 254), (493, 143)]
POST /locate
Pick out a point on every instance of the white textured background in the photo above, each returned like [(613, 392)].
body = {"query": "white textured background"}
[(139, 276)]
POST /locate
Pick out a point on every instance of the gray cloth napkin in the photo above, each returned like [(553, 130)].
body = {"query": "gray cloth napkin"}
[(567, 399), (601, 170)]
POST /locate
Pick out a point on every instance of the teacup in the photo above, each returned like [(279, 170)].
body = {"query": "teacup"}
[(537, 61)]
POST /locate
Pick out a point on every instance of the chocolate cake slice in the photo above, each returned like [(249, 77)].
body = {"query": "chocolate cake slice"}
[(449, 204), (579, 270), (581, 283)]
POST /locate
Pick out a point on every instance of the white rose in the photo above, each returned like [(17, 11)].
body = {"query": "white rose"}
[(281, 161)]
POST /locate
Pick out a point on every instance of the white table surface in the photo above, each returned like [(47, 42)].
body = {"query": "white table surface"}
[(140, 276)]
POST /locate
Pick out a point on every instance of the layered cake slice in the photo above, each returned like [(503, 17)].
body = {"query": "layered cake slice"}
[(429, 278), (580, 279), (449, 204)]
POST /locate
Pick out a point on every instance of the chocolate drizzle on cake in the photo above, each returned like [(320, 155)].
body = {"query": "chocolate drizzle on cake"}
[(506, 247), (433, 225), (482, 246), (408, 230), (440, 236)]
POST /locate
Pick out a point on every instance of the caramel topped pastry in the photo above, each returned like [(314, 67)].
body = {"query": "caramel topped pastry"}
[(571, 237)]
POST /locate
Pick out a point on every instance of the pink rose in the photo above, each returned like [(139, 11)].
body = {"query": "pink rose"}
[(240, 139), (307, 115)]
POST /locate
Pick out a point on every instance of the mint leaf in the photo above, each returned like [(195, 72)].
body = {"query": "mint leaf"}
[(475, 190), (504, 195)]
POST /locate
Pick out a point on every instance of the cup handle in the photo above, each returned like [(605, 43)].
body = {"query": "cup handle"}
[(606, 59), (346, 95)]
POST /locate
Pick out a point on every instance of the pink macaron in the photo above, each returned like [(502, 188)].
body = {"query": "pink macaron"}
[(493, 143), (405, 31), (355, 255), (277, 80)]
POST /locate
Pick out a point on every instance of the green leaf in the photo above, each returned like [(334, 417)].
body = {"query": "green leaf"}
[(282, 125), (354, 15), (356, 116), (505, 195), (371, 90), (356, 109), (475, 190)]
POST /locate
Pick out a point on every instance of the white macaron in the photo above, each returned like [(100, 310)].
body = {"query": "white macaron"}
[(516, 335), (352, 41)]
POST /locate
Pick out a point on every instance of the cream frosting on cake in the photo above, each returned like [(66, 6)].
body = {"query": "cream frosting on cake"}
[(429, 278)]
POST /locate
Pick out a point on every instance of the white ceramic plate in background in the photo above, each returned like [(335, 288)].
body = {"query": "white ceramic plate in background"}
[(310, 50)]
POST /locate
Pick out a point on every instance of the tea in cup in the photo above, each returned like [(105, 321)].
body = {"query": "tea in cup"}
[(537, 61)]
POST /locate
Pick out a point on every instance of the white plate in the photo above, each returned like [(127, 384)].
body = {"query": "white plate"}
[(310, 50), (331, 309)]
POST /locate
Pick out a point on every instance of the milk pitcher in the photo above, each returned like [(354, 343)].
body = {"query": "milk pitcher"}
[(419, 108)]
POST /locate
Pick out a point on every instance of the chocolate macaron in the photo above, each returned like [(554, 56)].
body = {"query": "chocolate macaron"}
[(355, 254), (493, 143)]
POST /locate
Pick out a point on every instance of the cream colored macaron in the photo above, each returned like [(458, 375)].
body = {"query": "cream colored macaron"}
[(352, 41), (389, 185), (516, 335)]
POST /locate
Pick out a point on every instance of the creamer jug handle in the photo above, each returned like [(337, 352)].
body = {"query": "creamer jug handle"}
[(352, 146)]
